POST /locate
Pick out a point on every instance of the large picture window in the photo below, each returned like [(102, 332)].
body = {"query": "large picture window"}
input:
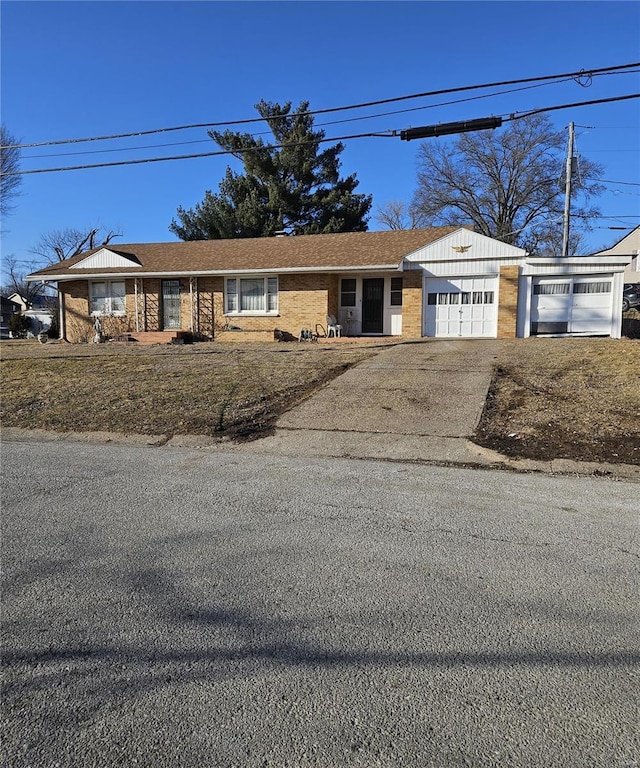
[(107, 297), (251, 295)]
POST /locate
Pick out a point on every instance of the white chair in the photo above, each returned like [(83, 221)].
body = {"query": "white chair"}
[(332, 327)]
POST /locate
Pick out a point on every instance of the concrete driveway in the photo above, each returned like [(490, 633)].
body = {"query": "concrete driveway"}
[(416, 401)]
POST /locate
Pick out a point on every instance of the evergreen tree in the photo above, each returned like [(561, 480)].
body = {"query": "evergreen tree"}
[(290, 185)]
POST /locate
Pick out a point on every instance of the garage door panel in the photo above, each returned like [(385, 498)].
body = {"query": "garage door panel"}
[(572, 305), (461, 307)]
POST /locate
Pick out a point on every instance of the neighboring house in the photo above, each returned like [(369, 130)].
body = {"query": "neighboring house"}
[(445, 282), (629, 246), (38, 311), (8, 307)]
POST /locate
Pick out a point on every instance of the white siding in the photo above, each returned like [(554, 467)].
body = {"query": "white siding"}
[(105, 259)]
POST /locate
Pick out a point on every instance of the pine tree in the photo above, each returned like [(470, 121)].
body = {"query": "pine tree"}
[(291, 185)]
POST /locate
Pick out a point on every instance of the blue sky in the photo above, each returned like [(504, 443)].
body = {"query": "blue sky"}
[(79, 69)]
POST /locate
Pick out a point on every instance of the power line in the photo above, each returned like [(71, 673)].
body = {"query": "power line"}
[(608, 181), (316, 125), (518, 116), (240, 151), (234, 152), (575, 75)]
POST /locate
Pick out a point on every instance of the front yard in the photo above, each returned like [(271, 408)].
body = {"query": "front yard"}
[(550, 398)]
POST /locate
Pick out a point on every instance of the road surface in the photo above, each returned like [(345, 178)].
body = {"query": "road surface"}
[(176, 607)]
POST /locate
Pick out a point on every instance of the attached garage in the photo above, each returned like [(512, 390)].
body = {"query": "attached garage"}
[(463, 306), (576, 305), (577, 296)]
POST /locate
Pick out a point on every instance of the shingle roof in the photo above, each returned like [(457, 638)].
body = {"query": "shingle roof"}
[(346, 250)]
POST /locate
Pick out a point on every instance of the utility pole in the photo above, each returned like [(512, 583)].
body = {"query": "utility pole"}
[(567, 194)]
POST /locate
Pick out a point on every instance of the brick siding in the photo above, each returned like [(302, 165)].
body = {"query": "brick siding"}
[(508, 302), (412, 304)]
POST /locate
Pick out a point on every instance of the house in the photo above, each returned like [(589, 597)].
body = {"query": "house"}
[(445, 282), (38, 311), (629, 246), (8, 308)]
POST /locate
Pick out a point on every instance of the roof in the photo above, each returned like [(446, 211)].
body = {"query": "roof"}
[(345, 250), (629, 245)]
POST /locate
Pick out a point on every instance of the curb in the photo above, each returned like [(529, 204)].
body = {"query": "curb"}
[(479, 457)]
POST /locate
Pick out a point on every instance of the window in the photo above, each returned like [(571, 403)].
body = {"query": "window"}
[(603, 286), (251, 295), (348, 292), (461, 297), (396, 291), (550, 289), (107, 297)]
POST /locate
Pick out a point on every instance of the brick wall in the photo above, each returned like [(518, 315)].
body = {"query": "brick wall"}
[(78, 323), (508, 302), (412, 303)]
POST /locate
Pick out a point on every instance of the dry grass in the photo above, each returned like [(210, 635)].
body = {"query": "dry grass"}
[(204, 389), (550, 398), (561, 398)]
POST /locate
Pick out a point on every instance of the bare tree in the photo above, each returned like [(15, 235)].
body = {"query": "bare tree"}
[(396, 214), (63, 244), (9, 167), (507, 183), (16, 273)]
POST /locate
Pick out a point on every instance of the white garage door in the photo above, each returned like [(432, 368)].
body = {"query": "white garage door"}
[(573, 305), (461, 306)]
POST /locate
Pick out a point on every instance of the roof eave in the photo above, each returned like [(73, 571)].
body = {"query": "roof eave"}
[(67, 277)]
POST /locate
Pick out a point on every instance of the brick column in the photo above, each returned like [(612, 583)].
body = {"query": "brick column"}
[(412, 303), (508, 302)]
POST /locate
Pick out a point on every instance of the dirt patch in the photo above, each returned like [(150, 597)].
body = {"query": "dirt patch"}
[(565, 398)]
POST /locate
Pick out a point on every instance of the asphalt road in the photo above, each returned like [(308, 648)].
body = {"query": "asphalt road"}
[(176, 607)]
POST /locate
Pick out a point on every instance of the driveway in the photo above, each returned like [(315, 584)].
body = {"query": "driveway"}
[(415, 402)]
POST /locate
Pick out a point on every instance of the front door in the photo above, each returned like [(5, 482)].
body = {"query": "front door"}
[(372, 304), (170, 304)]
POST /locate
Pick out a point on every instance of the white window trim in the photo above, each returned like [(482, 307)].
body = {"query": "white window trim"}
[(252, 312), (108, 310)]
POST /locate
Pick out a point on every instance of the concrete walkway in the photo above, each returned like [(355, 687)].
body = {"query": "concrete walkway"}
[(414, 402)]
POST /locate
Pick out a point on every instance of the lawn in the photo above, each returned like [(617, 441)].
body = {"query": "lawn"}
[(550, 398), (565, 398), (201, 389)]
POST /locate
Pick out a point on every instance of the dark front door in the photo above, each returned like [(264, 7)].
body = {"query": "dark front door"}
[(170, 304), (372, 304)]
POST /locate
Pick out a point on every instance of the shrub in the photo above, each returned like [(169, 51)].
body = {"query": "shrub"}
[(19, 326)]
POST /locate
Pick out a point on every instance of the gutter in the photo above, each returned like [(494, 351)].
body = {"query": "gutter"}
[(66, 277)]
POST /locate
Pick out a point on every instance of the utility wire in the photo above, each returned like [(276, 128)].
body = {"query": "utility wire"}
[(520, 115), (316, 125), (241, 151), (575, 75)]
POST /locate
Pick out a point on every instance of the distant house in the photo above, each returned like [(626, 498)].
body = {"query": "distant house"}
[(38, 311), (441, 282), (8, 308), (628, 246)]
